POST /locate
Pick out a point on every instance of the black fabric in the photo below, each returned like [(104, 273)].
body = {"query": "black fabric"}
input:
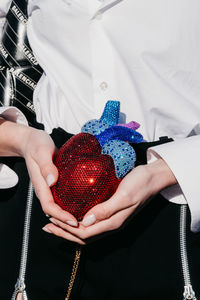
[(50, 258), (19, 69), (141, 261)]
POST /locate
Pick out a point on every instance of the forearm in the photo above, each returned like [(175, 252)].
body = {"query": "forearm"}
[(161, 175), (12, 138)]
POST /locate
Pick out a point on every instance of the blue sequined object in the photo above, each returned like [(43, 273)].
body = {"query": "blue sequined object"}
[(113, 138), (95, 127), (119, 133), (123, 155), (109, 118), (111, 113)]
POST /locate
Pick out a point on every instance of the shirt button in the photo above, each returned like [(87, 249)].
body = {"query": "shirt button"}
[(103, 85)]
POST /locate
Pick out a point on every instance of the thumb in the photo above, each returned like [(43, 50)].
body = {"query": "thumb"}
[(47, 168), (101, 211)]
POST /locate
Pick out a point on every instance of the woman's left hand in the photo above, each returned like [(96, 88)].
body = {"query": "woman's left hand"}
[(134, 190)]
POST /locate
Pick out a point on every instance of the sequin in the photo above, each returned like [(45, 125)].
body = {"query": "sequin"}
[(123, 155), (132, 125), (92, 163), (86, 177), (95, 127), (109, 118), (111, 113), (119, 133)]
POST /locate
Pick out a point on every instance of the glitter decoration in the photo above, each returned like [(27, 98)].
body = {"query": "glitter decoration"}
[(95, 127), (111, 113), (109, 118), (132, 125), (123, 155), (91, 164), (86, 144), (119, 133), (82, 174)]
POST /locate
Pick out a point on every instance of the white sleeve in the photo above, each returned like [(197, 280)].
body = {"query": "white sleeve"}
[(182, 156), (8, 178), (13, 114), (4, 6)]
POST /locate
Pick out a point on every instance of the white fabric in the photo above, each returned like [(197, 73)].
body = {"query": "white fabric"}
[(143, 53), (182, 165), (4, 6), (8, 178), (13, 114)]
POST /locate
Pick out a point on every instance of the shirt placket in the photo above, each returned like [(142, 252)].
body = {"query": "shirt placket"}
[(102, 57)]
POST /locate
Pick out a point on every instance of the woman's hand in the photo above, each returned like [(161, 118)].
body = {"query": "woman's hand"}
[(38, 149), (134, 190)]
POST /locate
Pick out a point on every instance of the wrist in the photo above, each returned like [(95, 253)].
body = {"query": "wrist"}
[(161, 175), (13, 136)]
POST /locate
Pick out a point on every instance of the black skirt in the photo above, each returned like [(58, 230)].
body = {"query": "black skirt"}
[(141, 261)]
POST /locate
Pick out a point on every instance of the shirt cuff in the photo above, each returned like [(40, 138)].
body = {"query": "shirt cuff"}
[(8, 178), (13, 114), (1, 26), (182, 157), (4, 7)]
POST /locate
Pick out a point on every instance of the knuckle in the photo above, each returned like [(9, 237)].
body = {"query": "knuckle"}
[(123, 194), (46, 169), (116, 224), (104, 212), (125, 198), (113, 225), (45, 208)]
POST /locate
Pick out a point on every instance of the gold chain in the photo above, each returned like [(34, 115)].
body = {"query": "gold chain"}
[(74, 271)]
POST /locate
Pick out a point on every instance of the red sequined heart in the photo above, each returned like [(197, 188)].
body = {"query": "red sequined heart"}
[(86, 177)]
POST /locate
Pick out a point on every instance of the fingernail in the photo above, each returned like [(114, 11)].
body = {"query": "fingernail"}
[(72, 223), (46, 230), (50, 179), (53, 221), (89, 220)]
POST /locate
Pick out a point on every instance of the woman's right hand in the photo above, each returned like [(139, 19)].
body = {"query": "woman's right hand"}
[(38, 149)]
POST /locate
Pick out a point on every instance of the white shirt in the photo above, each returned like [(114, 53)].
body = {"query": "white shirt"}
[(146, 54)]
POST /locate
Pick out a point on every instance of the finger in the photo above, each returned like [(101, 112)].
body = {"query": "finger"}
[(44, 159), (65, 226), (130, 191), (51, 228), (113, 223), (44, 194), (119, 201)]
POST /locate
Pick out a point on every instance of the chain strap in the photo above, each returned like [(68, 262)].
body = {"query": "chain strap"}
[(74, 271)]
